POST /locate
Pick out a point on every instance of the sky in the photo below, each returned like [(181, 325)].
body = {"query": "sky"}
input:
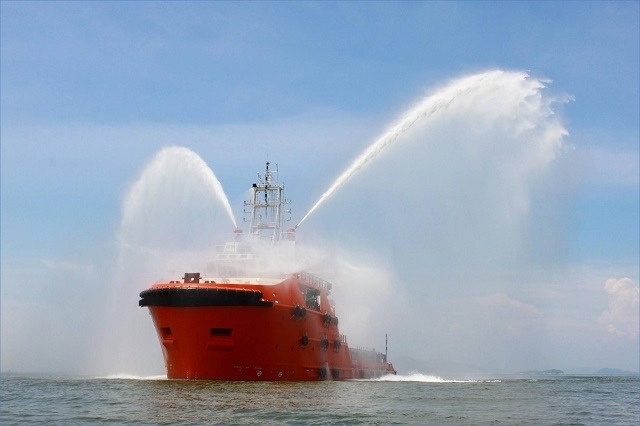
[(498, 235)]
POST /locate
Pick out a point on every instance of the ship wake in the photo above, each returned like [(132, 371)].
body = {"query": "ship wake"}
[(425, 378)]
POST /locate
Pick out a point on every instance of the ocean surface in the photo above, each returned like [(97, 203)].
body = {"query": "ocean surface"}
[(413, 399)]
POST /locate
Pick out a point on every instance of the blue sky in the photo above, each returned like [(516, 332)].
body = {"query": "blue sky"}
[(90, 92)]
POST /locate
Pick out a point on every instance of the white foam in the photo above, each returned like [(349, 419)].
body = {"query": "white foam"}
[(123, 376), (425, 378)]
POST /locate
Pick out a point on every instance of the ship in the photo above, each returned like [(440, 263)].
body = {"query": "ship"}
[(242, 319)]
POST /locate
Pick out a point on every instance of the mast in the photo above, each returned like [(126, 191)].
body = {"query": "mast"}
[(386, 346), (267, 207)]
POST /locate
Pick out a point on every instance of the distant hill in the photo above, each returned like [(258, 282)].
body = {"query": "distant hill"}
[(615, 372), (551, 372), (453, 370)]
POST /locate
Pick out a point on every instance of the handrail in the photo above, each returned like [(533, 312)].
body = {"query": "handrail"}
[(311, 279)]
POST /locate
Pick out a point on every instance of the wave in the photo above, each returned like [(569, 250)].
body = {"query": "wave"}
[(411, 377), (122, 376), (426, 378)]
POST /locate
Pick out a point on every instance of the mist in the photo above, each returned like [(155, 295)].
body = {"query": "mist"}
[(173, 215), (450, 239), (444, 237), (466, 207)]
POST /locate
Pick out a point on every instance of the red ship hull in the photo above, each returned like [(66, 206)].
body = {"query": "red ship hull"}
[(256, 327), (249, 332)]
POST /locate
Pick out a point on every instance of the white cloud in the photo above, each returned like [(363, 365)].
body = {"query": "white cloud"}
[(621, 318)]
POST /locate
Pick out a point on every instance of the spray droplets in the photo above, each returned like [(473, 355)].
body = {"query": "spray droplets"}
[(464, 165), (177, 198), (510, 89)]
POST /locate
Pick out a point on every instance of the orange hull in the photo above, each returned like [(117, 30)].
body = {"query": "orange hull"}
[(280, 331)]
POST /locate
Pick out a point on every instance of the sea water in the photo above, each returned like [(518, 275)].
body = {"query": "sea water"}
[(415, 399)]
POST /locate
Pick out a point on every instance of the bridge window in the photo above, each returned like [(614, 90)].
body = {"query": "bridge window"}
[(311, 298)]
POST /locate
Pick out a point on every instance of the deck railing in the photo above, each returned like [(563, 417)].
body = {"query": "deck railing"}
[(313, 280)]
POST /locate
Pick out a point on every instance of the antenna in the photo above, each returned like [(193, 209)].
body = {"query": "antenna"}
[(386, 346)]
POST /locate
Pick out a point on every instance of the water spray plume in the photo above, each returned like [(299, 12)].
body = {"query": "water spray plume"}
[(169, 221), (502, 115), (425, 109), (170, 165)]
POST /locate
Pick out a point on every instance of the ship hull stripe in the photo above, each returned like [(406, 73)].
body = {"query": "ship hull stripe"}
[(193, 297)]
